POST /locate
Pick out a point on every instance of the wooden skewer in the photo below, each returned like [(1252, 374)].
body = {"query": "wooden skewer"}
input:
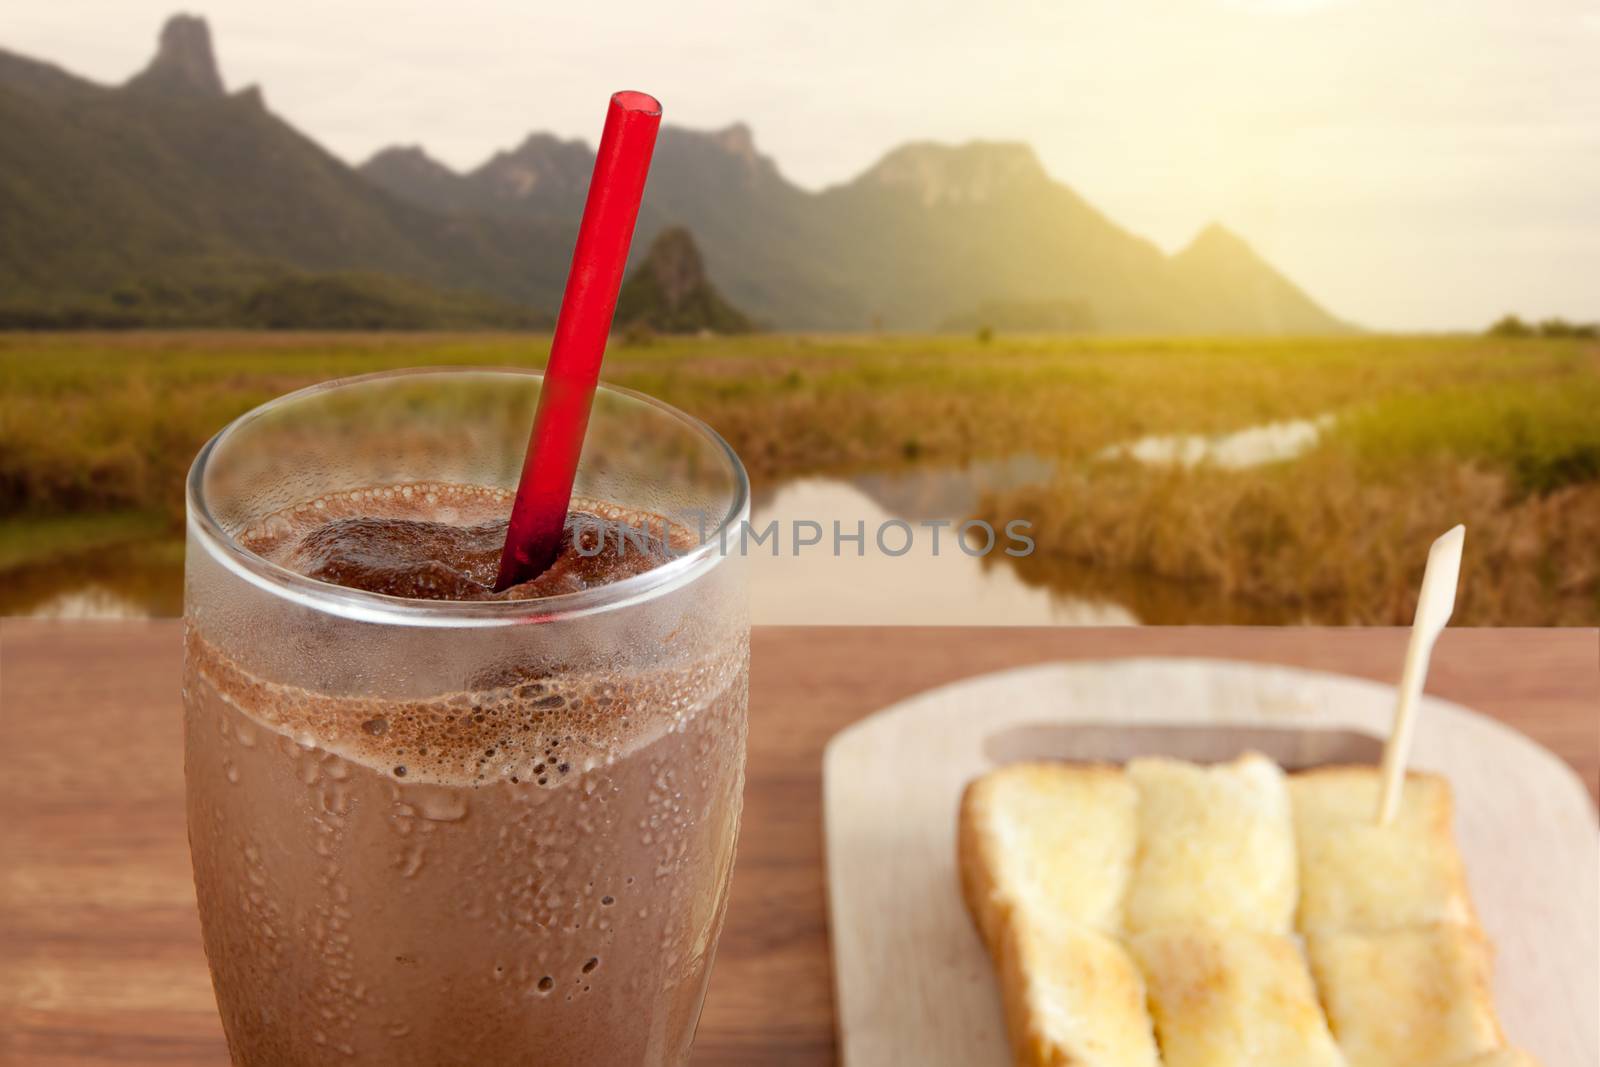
[(1434, 605)]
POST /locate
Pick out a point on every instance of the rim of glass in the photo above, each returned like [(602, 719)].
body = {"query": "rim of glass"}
[(361, 605)]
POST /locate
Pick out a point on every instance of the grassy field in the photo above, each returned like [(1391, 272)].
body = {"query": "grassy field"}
[(1500, 434)]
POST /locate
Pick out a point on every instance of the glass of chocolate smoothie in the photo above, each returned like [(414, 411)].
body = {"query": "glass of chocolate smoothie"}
[(433, 824)]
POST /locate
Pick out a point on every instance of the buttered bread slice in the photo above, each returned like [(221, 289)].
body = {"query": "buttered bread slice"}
[(1073, 997), (1054, 839), (1417, 997), (1216, 846), (1045, 852), (1233, 998), (1357, 875)]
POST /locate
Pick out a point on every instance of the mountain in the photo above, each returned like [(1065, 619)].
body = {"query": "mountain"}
[(932, 236), (416, 177), (544, 170), (170, 199), (183, 61), (669, 291), (764, 240), (946, 227), (542, 178), (1228, 274), (981, 227)]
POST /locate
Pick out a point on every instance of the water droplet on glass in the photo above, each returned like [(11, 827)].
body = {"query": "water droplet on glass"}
[(411, 861), (438, 803)]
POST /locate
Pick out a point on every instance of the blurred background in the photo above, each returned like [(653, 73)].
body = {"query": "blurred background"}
[(1236, 304)]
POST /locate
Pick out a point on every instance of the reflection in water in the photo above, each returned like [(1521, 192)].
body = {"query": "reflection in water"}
[(817, 587), (941, 492), (1273, 442), (135, 581), (1155, 601), (90, 602), (917, 588)]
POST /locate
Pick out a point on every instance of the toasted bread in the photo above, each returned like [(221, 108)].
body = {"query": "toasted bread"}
[(1045, 851), (1407, 998), (1073, 997), (1147, 916), (1357, 875), (1053, 838), (1216, 846), (1233, 998)]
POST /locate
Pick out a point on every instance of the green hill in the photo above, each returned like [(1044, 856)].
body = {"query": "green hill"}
[(168, 199), (670, 292)]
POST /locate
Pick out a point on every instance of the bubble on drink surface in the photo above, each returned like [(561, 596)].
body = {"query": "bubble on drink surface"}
[(411, 558), (443, 542)]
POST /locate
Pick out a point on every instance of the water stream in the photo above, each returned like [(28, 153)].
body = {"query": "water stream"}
[(931, 582), (1255, 446)]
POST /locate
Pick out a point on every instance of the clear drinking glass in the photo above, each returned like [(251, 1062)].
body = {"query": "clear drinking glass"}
[(476, 833)]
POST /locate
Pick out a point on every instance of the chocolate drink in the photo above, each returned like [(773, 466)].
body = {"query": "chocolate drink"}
[(528, 869)]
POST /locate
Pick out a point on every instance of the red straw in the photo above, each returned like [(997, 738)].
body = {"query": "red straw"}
[(539, 515)]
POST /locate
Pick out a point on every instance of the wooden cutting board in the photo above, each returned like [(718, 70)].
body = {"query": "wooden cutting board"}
[(912, 981)]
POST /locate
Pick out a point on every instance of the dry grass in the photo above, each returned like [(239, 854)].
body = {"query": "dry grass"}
[(109, 421), (1500, 434), (1316, 539)]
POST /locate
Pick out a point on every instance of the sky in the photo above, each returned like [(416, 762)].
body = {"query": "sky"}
[(1413, 165)]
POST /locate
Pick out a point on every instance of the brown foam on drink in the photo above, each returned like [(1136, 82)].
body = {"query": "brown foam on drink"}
[(519, 725), (438, 541), (539, 730)]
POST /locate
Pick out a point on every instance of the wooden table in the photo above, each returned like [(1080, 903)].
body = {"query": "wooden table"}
[(100, 959)]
